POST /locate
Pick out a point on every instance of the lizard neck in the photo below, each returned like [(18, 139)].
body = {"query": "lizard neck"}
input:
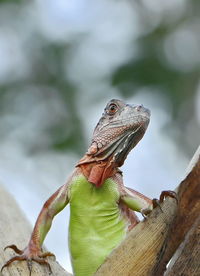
[(97, 172)]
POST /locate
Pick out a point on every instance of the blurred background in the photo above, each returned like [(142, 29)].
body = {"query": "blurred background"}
[(61, 61)]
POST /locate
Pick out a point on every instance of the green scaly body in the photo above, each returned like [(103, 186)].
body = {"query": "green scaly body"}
[(96, 224)]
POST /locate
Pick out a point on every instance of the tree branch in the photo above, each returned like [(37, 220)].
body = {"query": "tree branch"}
[(186, 261)]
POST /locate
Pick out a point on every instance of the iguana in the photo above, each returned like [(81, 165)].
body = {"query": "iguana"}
[(100, 205)]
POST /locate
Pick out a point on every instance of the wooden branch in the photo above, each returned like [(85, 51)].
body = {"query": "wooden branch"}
[(151, 244), (14, 228), (186, 261), (187, 213)]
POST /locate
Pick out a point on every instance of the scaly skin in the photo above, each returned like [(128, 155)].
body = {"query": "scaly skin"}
[(100, 205)]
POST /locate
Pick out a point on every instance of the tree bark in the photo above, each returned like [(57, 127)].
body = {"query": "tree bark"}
[(186, 260)]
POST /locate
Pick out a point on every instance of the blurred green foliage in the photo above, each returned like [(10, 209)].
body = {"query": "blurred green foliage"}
[(47, 62), (150, 70)]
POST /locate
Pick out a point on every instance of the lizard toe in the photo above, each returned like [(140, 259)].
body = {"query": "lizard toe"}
[(156, 203), (16, 258), (168, 193), (15, 248), (47, 254), (43, 262)]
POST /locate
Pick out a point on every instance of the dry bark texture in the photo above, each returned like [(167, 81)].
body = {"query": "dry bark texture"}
[(172, 233), (186, 261), (187, 213)]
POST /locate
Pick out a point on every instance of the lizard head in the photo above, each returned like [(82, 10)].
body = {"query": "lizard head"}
[(118, 131)]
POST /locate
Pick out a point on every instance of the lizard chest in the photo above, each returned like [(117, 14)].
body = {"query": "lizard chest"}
[(96, 225), (84, 195)]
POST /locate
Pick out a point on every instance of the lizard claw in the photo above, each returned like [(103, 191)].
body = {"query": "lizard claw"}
[(16, 258), (47, 254), (156, 203), (165, 194), (43, 262), (29, 264), (145, 212), (15, 248), (28, 256)]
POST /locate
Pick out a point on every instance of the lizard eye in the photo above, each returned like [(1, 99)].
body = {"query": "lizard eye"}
[(112, 109)]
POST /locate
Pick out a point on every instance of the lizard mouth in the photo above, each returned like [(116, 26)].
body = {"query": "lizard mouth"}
[(127, 145), (120, 148)]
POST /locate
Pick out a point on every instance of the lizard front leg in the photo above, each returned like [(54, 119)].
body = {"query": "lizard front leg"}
[(33, 252), (138, 202)]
